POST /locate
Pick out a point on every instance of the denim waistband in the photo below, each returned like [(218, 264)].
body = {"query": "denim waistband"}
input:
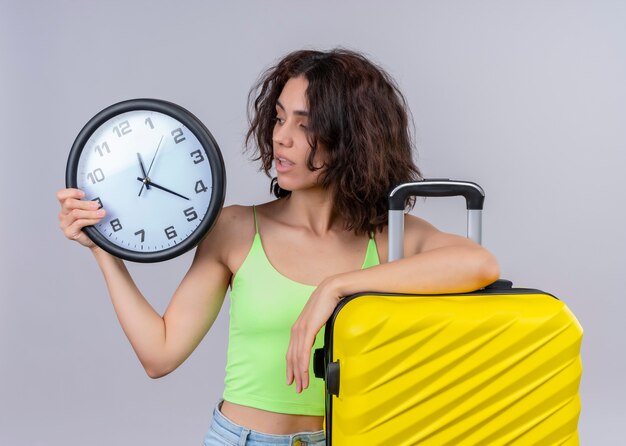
[(239, 434)]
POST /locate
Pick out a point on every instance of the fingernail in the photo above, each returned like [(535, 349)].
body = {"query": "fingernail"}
[(101, 213)]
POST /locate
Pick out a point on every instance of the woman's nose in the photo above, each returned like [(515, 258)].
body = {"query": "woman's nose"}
[(282, 134)]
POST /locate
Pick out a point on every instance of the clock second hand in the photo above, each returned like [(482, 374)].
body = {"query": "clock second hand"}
[(151, 162), (146, 181)]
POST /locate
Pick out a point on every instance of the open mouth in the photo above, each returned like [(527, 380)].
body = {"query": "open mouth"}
[(283, 162)]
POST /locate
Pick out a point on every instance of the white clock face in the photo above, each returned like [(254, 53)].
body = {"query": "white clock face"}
[(151, 175)]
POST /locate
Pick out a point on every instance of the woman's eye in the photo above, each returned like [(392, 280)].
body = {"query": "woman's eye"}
[(279, 120)]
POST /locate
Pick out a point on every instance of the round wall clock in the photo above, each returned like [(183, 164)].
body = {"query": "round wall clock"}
[(157, 171)]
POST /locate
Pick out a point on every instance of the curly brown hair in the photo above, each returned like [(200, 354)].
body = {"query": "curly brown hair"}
[(357, 114)]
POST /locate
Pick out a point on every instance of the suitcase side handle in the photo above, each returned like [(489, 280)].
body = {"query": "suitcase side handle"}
[(474, 198)]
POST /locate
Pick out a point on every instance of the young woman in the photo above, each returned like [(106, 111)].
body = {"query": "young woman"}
[(334, 127)]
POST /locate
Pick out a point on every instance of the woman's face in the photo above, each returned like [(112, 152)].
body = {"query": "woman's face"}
[(290, 138)]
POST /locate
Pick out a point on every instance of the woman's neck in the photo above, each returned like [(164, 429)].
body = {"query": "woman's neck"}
[(311, 209)]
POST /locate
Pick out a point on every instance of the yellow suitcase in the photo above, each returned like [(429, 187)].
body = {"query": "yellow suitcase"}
[(500, 366)]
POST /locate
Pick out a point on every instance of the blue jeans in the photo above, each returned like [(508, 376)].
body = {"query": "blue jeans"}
[(224, 432)]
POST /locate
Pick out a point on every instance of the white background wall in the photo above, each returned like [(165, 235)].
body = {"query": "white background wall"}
[(527, 98)]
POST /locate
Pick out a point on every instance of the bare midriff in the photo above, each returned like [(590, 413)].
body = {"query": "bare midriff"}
[(270, 422)]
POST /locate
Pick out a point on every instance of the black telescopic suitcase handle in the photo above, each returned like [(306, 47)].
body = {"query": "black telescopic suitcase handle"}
[(473, 193), (474, 197)]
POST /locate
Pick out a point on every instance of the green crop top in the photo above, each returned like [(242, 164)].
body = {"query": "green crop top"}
[(264, 304)]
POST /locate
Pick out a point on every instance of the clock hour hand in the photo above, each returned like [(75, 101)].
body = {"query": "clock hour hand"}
[(147, 182), (143, 172)]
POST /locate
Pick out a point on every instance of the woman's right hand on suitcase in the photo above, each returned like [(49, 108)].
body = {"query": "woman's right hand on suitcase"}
[(76, 213)]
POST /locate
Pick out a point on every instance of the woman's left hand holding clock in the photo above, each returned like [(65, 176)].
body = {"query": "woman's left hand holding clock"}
[(77, 213)]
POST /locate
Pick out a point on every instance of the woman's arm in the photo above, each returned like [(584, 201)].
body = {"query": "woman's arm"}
[(161, 343), (443, 263), (436, 263)]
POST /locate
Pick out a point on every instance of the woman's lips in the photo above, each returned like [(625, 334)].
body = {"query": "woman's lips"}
[(283, 164)]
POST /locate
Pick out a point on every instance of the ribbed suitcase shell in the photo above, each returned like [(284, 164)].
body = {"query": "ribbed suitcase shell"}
[(493, 367), (499, 366)]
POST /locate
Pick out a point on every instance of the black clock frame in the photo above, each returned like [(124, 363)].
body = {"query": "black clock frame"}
[(214, 157)]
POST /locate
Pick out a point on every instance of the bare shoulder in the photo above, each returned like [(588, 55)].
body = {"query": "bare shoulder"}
[(422, 236), (234, 219), (418, 227), (270, 212), (417, 231), (231, 235)]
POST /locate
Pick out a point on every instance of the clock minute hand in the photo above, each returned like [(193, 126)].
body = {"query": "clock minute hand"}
[(147, 182)]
